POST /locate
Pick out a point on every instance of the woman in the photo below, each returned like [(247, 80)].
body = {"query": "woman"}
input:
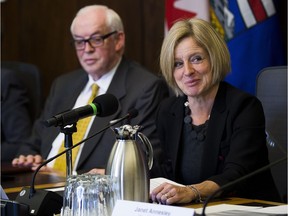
[(211, 133)]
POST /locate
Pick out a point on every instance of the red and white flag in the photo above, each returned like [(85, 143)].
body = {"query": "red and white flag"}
[(178, 9)]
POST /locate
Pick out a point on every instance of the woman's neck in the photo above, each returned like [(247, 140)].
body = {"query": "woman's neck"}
[(201, 106)]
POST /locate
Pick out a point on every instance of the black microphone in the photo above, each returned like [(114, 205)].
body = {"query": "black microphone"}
[(103, 105), (131, 114), (233, 183), (36, 199)]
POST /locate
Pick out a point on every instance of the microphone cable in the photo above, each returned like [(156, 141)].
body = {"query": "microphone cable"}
[(226, 186)]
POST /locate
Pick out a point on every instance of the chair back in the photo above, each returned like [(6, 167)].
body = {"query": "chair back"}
[(271, 89), (30, 76)]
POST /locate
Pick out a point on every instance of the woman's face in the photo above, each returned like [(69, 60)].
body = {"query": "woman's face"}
[(192, 70)]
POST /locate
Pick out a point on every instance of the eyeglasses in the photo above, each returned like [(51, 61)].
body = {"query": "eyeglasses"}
[(94, 41)]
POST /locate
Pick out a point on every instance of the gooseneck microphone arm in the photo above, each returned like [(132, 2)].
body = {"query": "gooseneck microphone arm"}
[(133, 113), (228, 185)]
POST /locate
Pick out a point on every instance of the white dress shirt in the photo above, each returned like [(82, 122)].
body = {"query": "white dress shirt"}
[(82, 100)]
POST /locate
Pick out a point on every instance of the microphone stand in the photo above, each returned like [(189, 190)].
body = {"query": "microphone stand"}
[(43, 202), (111, 123), (32, 188), (48, 203), (68, 142)]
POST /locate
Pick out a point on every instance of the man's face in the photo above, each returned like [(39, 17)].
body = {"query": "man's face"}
[(96, 60)]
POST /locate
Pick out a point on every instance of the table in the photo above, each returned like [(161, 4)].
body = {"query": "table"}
[(13, 179), (235, 201)]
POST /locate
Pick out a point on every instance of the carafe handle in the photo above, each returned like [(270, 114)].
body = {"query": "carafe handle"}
[(148, 149)]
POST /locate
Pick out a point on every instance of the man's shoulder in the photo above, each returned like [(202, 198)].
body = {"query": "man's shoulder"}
[(135, 69), (72, 74), (75, 75)]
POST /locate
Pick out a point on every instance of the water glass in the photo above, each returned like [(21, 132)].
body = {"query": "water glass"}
[(90, 194)]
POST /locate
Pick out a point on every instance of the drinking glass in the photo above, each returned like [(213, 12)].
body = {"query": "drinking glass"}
[(90, 194)]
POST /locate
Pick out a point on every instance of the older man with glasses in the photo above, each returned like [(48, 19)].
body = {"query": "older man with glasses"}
[(99, 40)]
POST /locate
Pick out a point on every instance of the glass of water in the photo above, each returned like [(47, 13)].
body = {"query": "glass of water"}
[(90, 194)]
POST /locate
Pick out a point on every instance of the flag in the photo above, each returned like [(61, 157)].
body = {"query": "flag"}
[(178, 9), (252, 31), (250, 27)]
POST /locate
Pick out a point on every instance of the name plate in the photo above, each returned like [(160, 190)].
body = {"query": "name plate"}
[(132, 208)]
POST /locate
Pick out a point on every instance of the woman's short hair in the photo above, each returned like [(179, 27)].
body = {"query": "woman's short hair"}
[(206, 37)]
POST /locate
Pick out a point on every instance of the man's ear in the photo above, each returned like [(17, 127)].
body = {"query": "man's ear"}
[(120, 41)]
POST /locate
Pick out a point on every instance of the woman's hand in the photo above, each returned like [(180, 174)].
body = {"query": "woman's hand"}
[(168, 194)]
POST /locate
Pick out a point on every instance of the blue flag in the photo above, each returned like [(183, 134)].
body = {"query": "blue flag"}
[(252, 31)]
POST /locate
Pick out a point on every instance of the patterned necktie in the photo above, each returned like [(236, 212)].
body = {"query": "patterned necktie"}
[(82, 124)]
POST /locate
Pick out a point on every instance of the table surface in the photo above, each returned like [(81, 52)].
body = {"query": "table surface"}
[(235, 201), (13, 179)]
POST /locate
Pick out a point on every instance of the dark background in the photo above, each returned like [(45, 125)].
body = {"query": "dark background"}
[(38, 32)]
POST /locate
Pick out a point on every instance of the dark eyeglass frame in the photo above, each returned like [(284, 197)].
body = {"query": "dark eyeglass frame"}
[(88, 40)]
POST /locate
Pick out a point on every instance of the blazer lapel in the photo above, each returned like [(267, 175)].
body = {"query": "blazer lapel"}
[(117, 88), (63, 103), (118, 83), (176, 122), (214, 133), (72, 95)]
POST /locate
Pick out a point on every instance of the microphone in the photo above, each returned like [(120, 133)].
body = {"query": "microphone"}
[(233, 183), (35, 200), (131, 114), (103, 105)]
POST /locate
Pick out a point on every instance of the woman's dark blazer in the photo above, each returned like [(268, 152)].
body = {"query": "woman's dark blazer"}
[(235, 142)]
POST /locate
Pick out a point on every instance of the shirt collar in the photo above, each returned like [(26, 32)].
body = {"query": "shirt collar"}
[(104, 81)]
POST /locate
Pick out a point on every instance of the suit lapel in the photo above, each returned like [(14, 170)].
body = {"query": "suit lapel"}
[(73, 93), (118, 83), (176, 123), (214, 133), (62, 103), (117, 88)]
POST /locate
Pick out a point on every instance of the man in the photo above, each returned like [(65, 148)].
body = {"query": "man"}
[(16, 122), (99, 41)]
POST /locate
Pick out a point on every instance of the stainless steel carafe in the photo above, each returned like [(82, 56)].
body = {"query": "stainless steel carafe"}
[(130, 163)]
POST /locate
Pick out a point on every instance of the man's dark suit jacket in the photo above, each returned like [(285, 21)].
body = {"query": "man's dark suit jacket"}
[(16, 122), (235, 142), (132, 85)]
